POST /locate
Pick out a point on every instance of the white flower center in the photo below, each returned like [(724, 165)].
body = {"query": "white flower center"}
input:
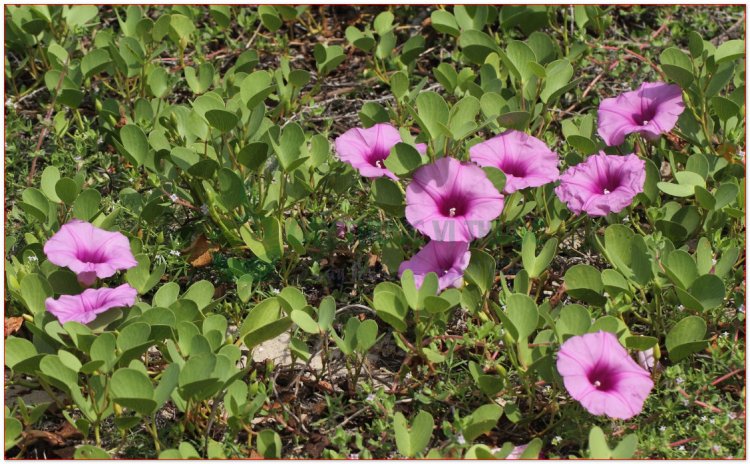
[(379, 164), (445, 271), (607, 192), (645, 123), (597, 384), (452, 212)]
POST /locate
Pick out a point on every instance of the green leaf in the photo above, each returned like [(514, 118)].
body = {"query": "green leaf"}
[(269, 17), (433, 112), (477, 45), (481, 421), (598, 448), (35, 289), (90, 452), (519, 58), (443, 21), (584, 282), (305, 322), (134, 143), (411, 442), (388, 196), (481, 270), (523, 314), (677, 66), (132, 389), (686, 338), (268, 247), (640, 342), (730, 50), (404, 158), (20, 354), (367, 334), (104, 349), (67, 190), (559, 74), (573, 320), (199, 81), (264, 322), (706, 292), (255, 88), (222, 120), (86, 205), (536, 265), (269, 444), (80, 15), (390, 305)]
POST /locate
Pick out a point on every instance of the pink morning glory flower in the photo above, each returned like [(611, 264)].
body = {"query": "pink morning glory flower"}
[(85, 306), (599, 374), (366, 149), (525, 160), (602, 184), (89, 251), (651, 110), (448, 260), (451, 201)]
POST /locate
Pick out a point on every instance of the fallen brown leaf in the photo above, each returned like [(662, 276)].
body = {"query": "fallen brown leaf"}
[(201, 251), (12, 325)]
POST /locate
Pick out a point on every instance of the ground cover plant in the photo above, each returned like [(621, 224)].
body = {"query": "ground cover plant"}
[(374, 232)]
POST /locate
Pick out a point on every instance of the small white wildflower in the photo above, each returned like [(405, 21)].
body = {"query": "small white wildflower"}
[(741, 308), (174, 198), (77, 159), (275, 291), (685, 402), (9, 103), (204, 210), (100, 140), (725, 334), (716, 448), (712, 421), (174, 252), (681, 448), (741, 154), (32, 259), (460, 439), (681, 308), (626, 219), (605, 294), (160, 259), (704, 418), (370, 398), (354, 456), (556, 440), (713, 261), (732, 415), (679, 380), (662, 429)]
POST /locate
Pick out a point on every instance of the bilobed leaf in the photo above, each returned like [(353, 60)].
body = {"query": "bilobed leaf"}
[(135, 143), (686, 338), (481, 270)]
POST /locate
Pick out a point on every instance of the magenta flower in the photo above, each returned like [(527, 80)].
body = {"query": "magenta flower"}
[(651, 110), (89, 251), (86, 306), (525, 160), (602, 184), (599, 373), (448, 260), (450, 201), (366, 149)]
